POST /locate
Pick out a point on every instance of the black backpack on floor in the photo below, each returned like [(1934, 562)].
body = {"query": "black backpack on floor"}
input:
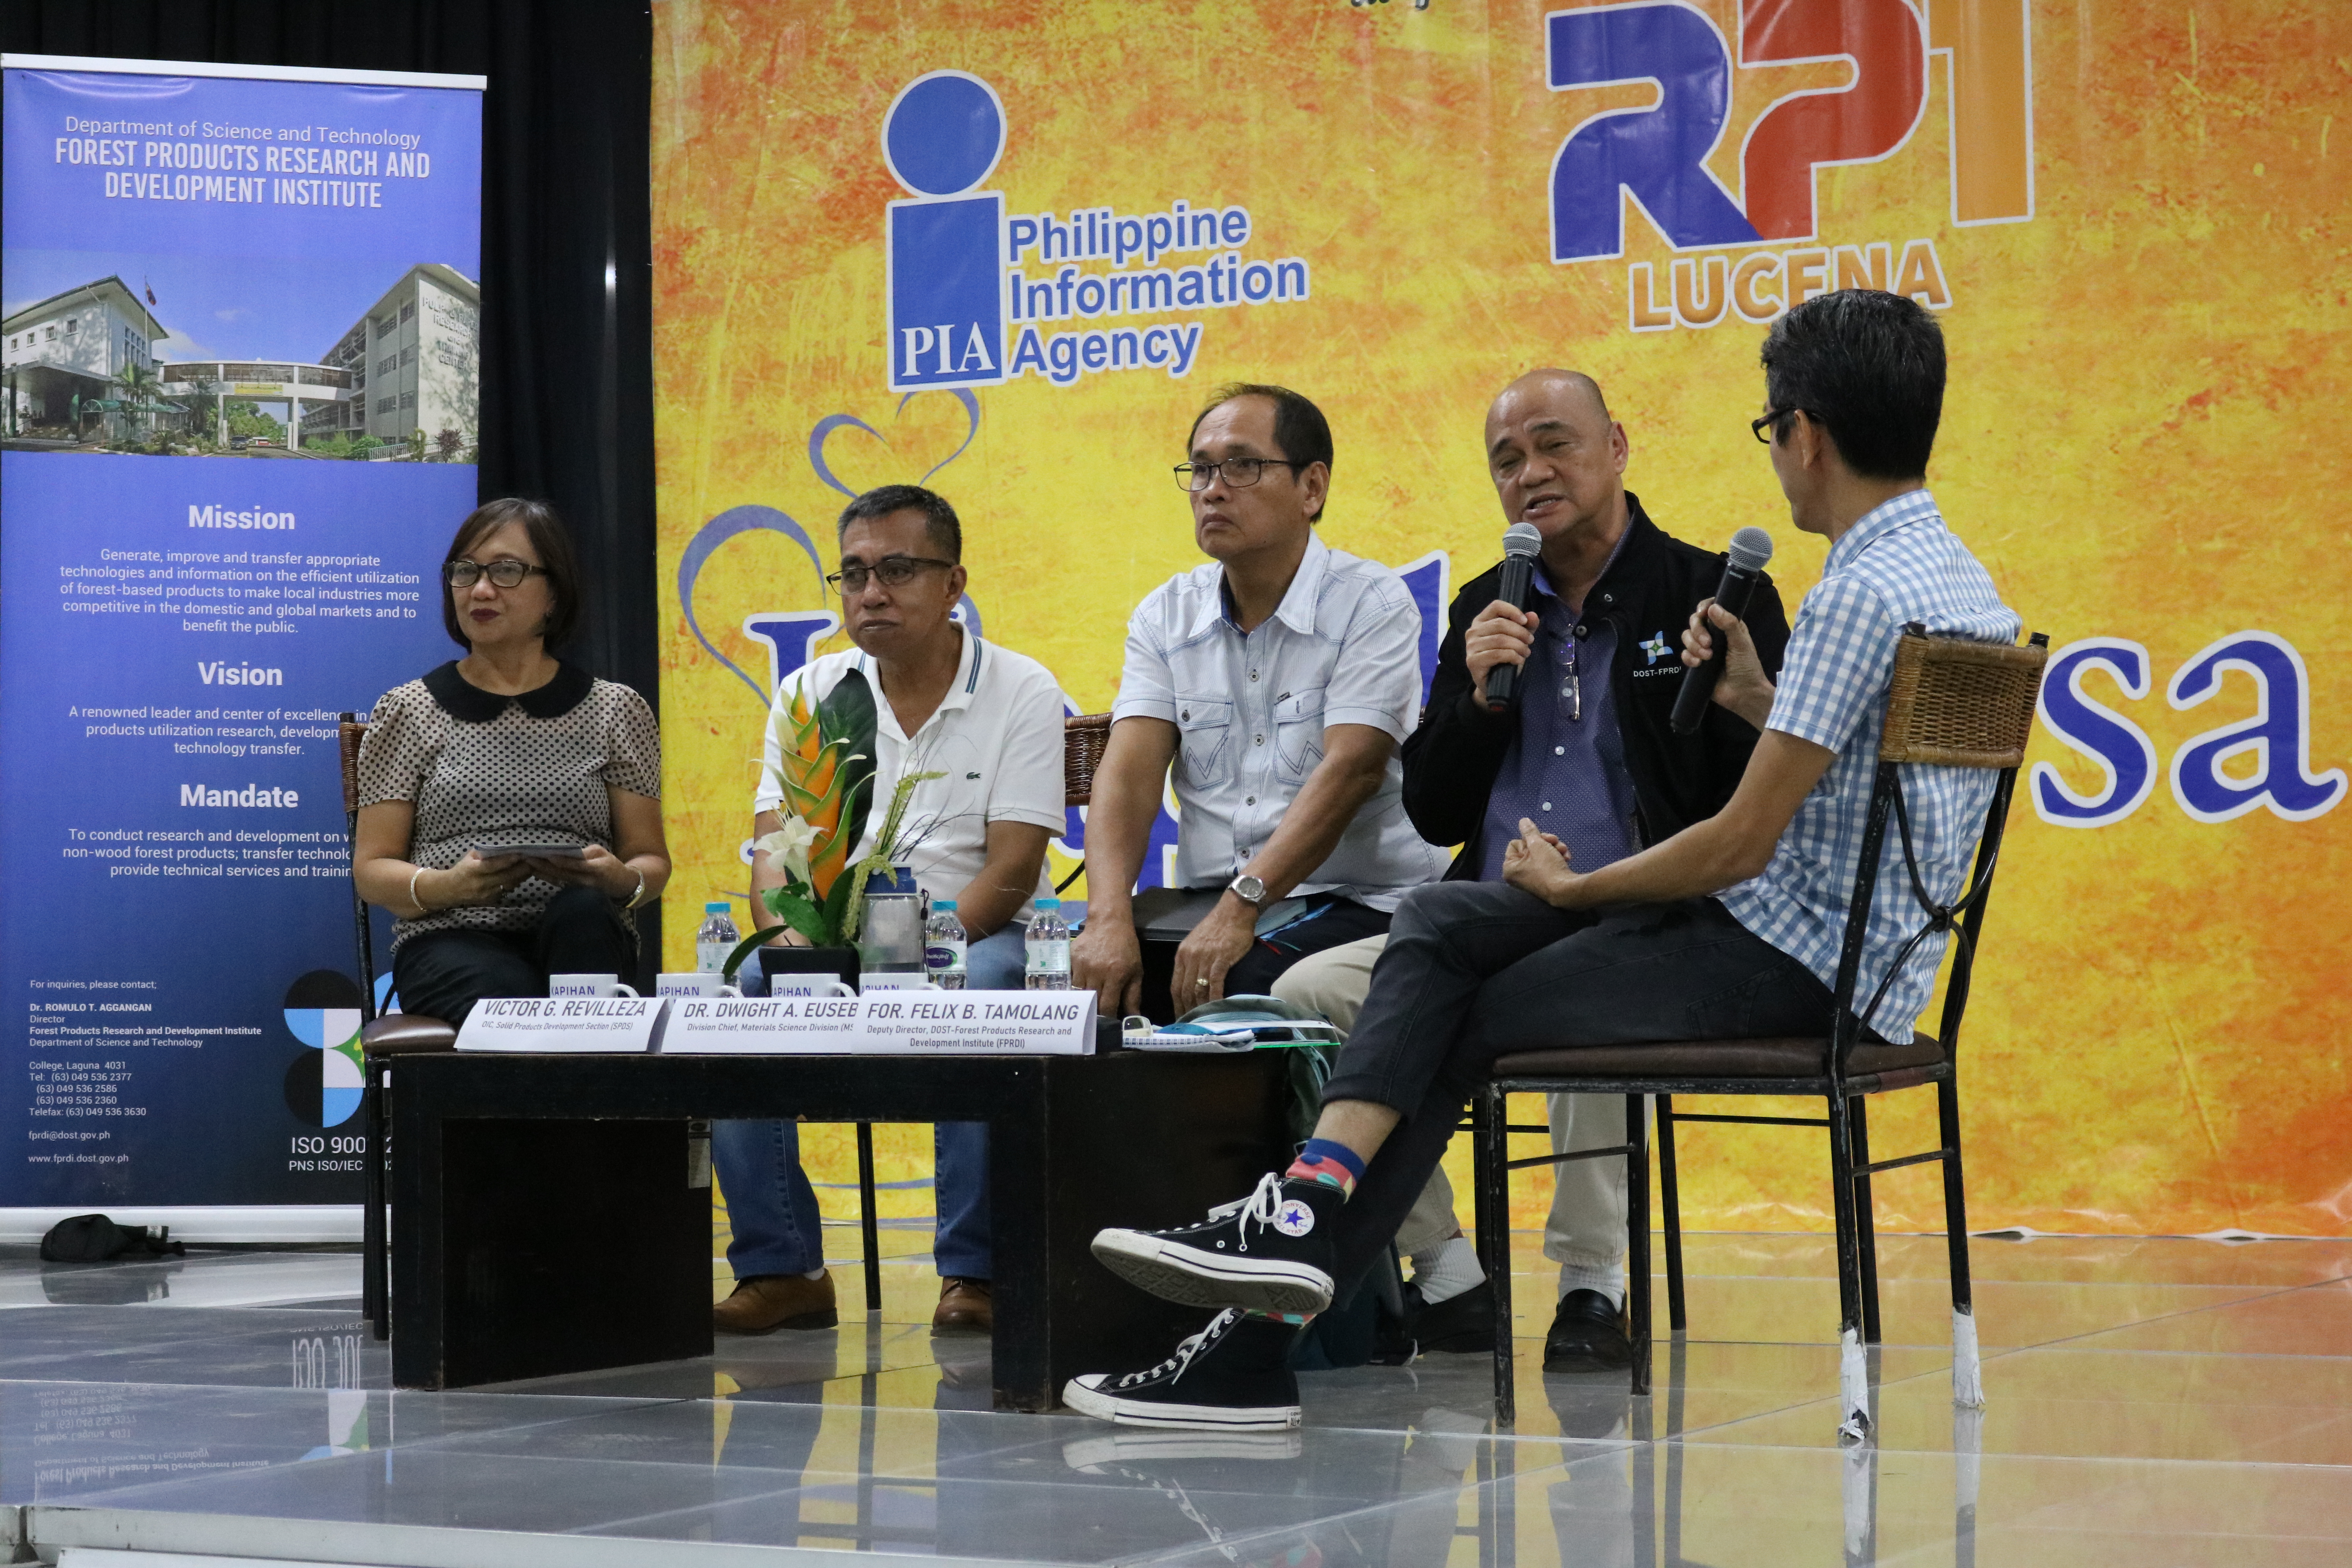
[(94, 1238)]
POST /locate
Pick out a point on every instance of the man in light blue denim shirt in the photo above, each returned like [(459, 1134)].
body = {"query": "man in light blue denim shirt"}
[(1277, 681)]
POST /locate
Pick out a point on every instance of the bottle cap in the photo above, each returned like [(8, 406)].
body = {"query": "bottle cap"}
[(942, 906), (716, 907), (1048, 904)]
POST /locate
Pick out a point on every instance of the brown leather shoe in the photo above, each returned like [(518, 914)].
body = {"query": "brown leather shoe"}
[(965, 1308), (769, 1301)]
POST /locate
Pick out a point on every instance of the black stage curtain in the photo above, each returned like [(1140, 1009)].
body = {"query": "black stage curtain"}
[(567, 237)]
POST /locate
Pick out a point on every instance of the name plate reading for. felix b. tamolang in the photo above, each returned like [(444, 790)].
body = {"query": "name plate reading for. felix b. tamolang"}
[(887, 1022), (565, 1023)]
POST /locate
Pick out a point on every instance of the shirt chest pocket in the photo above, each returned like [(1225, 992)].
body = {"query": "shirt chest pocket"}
[(1205, 726), (1299, 734)]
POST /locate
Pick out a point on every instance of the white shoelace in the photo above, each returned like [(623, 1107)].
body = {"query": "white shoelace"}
[(1185, 1351), (1261, 1205)]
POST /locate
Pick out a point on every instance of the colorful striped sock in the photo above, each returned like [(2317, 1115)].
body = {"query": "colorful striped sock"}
[(1332, 1164), (1295, 1320)]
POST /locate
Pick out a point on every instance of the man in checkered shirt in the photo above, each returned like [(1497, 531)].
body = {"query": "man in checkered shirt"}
[(1729, 929)]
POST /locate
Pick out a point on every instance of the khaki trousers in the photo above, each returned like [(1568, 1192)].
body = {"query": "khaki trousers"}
[(1586, 1226)]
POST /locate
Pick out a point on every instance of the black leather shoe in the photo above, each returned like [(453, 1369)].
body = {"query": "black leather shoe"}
[(1588, 1334), (1460, 1324)]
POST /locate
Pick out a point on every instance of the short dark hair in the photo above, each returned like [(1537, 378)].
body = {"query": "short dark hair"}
[(940, 522), (1299, 427), (547, 537), (1869, 365)]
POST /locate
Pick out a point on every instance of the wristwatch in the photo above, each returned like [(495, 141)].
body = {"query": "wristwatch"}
[(1249, 889)]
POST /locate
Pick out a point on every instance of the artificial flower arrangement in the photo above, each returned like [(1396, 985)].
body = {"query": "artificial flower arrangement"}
[(827, 787)]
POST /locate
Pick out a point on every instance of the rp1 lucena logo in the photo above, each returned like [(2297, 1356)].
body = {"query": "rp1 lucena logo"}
[(1659, 155)]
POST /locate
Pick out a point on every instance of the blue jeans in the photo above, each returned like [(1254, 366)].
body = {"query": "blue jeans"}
[(771, 1208)]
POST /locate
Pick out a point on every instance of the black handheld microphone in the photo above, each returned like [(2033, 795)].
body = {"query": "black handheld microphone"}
[(1743, 568), (1521, 543)]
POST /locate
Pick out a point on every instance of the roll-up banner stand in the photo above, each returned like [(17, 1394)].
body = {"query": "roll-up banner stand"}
[(241, 405)]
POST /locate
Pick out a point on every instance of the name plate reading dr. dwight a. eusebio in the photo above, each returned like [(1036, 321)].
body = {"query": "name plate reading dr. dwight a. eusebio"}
[(887, 1022)]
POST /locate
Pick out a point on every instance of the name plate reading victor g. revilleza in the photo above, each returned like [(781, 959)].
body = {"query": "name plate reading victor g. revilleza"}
[(564, 1023), (887, 1022)]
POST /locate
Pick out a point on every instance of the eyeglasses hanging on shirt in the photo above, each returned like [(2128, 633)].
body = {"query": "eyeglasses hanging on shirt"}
[(1574, 689)]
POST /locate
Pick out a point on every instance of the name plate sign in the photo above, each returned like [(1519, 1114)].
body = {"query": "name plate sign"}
[(563, 1024), (889, 1023)]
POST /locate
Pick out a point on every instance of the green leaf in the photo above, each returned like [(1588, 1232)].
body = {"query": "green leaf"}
[(796, 911), (848, 715), (744, 951)]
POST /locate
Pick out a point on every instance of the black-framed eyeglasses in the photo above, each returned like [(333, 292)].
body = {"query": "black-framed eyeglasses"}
[(895, 571), (1240, 472), (508, 573), (1772, 422)]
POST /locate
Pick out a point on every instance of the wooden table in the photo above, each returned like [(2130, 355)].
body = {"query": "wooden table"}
[(553, 1213)]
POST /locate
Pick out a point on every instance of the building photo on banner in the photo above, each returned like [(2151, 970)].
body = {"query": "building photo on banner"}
[(241, 405), (1009, 254)]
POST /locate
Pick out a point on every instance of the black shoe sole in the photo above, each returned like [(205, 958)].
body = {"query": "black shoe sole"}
[(828, 1318)]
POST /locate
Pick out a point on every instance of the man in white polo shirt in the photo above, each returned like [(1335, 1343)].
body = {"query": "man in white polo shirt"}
[(1277, 680), (989, 721)]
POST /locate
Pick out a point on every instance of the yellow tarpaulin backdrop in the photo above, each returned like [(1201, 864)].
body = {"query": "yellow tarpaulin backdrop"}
[(1017, 280)]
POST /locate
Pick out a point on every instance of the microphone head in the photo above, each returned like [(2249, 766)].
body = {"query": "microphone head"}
[(1750, 548), (1526, 539)]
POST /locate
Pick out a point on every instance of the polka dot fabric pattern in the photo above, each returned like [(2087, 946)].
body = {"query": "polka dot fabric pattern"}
[(483, 768)]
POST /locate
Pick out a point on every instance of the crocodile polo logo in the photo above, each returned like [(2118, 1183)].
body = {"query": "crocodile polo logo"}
[(1294, 1219), (1656, 647)]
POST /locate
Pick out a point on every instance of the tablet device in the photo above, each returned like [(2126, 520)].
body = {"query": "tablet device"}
[(535, 851)]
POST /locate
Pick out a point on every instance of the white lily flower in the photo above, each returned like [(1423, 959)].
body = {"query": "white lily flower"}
[(787, 849)]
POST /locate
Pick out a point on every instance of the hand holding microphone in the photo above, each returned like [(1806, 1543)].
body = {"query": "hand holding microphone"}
[(1498, 641), (1707, 646)]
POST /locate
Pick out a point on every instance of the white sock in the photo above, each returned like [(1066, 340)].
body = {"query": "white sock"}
[(1446, 1270), (815, 1273), (1610, 1280)]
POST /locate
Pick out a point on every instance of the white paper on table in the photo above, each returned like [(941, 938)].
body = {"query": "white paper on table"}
[(623, 1024)]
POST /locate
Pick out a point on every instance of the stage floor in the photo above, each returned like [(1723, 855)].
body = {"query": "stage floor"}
[(2150, 1402)]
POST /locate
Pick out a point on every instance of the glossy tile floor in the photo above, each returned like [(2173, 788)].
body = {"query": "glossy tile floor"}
[(2150, 1403)]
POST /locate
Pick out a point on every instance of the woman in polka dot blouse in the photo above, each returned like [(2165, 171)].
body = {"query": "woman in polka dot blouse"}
[(508, 745)]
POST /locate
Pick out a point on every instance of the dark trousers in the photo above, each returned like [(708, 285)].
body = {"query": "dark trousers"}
[(1474, 971), (1328, 921), (443, 973)]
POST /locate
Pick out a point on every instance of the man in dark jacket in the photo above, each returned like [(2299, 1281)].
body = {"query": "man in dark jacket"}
[(1586, 750)]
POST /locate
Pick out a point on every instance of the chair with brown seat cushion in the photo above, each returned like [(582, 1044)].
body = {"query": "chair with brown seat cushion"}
[(381, 1040), (1952, 703)]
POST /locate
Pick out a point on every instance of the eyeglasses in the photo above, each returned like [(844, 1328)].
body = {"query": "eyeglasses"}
[(464, 574), (895, 571), (1757, 427), (1240, 472)]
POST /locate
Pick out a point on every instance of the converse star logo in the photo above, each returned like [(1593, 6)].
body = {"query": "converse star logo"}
[(1294, 1219), (1655, 646)]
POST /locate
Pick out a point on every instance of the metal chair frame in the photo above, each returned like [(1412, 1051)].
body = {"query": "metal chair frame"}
[(1919, 662)]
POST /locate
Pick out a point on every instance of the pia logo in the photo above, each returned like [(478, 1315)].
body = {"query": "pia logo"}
[(1659, 155), (941, 138)]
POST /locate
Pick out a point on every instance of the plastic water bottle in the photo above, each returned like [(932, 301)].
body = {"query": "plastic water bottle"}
[(943, 946), (1048, 967), (715, 939)]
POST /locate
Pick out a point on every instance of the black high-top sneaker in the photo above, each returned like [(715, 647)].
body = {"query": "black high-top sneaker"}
[(1269, 1252), (1229, 1377)]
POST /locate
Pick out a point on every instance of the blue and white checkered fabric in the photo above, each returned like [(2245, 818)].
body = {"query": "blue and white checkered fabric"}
[(1898, 564)]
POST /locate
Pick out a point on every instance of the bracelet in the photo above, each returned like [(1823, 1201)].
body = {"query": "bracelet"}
[(639, 896), (421, 911)]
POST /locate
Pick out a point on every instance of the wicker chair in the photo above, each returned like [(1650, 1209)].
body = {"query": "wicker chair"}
[(1953, 703)]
